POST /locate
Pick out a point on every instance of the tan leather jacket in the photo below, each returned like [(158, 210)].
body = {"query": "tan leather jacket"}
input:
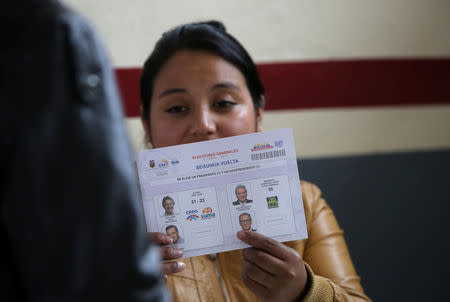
[(331, 271)]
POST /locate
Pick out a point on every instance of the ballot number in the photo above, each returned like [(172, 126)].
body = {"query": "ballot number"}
[(200, 200)]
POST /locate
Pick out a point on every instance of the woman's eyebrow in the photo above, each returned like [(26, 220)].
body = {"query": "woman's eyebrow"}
[(228, 85), (171, 91)]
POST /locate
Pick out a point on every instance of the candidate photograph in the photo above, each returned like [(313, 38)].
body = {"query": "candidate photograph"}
[(245, 221), (168, 205), (241, 195), (174, 234)]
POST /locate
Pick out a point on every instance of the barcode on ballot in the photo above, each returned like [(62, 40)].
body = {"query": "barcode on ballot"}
[(270, 154)]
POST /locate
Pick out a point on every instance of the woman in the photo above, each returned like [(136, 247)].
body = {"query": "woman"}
[(198, 84)]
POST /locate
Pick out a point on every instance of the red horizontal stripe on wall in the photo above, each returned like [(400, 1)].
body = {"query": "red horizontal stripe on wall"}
[(128, 81), (328, 84)]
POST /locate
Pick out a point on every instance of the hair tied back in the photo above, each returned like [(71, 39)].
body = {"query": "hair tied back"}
[(214, 23)]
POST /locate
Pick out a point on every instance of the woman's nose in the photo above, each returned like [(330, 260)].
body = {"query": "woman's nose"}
[(203, 123)]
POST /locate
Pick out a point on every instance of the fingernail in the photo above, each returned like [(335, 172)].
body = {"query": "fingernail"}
[(181, 265), (168, 239), (241, 235), (178, 253)]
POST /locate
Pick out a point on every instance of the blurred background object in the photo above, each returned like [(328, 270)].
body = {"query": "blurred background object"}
[(71, 223)]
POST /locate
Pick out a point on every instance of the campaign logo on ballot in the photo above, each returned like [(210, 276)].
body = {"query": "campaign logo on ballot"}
[(201, 194)]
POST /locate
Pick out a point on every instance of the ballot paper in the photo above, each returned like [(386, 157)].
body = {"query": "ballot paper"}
[(202, 194)]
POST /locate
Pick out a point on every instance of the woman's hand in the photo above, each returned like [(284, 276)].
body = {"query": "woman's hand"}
[(168, 253), (271, 270)]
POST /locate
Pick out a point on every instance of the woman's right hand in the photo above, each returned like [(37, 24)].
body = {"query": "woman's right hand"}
[(168, 253)]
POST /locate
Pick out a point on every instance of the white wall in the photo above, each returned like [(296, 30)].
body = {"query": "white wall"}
[(281, 30)]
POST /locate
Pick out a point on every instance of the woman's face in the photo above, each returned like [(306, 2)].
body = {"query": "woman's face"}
[(199, 96)]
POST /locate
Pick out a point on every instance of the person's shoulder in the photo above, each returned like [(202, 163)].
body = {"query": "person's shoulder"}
[(249, 200), (312, 198), (313, 202), (235, 202), (310, 192)]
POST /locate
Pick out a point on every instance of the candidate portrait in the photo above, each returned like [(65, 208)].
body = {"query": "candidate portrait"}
[(241, 195), (245, 221), (168, 205), (172, 232)]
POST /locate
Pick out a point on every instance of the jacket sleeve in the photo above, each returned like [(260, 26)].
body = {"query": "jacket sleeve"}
[(328, 262), (70, 209)]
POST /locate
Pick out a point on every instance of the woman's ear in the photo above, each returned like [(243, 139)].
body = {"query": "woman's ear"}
[(259, 114)]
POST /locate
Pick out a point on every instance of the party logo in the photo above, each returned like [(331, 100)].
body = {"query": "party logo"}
[(272, 202), (192, 215), (163, 163), (207, 213)]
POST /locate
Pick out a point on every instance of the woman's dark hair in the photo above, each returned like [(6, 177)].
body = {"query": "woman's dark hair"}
[(208, 36)]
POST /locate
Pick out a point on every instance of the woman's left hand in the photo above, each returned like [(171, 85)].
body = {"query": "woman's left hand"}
[(271, 270)]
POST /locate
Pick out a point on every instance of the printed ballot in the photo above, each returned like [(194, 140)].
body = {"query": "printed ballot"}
[(201, 194)]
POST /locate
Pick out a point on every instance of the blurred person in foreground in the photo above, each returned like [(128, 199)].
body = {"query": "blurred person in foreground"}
[(71, 222)]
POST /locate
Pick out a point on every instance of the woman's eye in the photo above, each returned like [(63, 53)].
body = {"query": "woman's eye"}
[(224, 104), (176, 109)]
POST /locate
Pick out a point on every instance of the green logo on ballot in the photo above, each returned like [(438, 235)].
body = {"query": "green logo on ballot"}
[(272, 202)]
